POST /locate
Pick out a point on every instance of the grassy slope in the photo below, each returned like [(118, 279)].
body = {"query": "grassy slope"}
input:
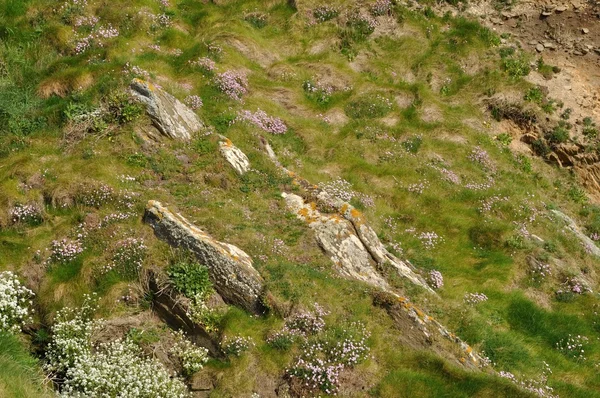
[(19, 373), (520, 324)]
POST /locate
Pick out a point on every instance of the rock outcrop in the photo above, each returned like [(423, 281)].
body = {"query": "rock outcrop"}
[(419, 330), (336, 236), (234, 156), (588, 244), (172, 118), (230, 268), (346, 236)]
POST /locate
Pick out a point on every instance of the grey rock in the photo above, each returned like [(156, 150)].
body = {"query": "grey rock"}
[(230, 268), (539, 48), (561, 8), (172, 118)]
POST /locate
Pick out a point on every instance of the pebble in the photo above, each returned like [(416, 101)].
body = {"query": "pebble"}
[(539, 48), (585, 31), (561, 8)]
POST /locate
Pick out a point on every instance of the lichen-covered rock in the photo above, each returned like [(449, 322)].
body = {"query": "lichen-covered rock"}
[(336, 237), (351, 244), (346, 236), (172, 118), (234, 156), (230, 268)]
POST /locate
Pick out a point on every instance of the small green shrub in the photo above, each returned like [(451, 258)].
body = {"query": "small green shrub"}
[(589, 128), (123, 109), (504, 139), (534, 94), (540, 147), (577, 194), (558, 135), (516, 66), (190, 279)]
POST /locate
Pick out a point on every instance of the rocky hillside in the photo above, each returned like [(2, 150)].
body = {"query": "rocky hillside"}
[(299, 198)]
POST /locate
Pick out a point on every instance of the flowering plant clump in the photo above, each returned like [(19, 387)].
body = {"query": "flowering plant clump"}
[(347, 345), (71, 335), (97, 38), (95, 196), (283, 339), (325, 13), (64, 251), (362, 25), (480, 156), (135, 71), (419, 187), (435, 279), (191, 356), (342, 189), (233, 84), (129, 257), (430, 239), (118, 369), (199, 312), (318, 91), (448, 175), (115, 217), (308, 323), (193, 101), (537, 387), (26, 214), (488, 204), (205, 64), (538, 271), (322, 359), (475, 186), (380, 7), (573, 347), (236, 346), (574, 285), (260, 119), (15, 303), (475, 298)]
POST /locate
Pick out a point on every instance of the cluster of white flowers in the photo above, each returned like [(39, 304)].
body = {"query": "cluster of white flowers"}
[(118, 369), (191, 356), (573, 346), (71, 335), (111, 369), (15, 300)]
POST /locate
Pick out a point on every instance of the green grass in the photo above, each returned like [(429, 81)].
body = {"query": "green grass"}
[(20, 374), (517, 327)]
